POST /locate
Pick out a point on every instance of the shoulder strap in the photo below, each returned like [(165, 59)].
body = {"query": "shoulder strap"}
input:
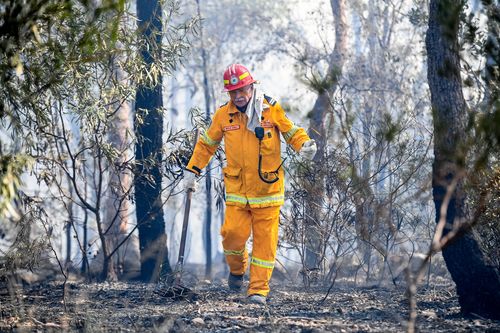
[(270, 100)]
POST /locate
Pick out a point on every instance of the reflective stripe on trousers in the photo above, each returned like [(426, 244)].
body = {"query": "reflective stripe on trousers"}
[(233, 252), (238, 225), (262, 263)]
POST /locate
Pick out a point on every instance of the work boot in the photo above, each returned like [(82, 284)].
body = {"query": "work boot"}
[(257, 299), (235, 282)]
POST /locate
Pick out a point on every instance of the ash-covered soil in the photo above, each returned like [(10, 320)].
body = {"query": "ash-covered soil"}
[(134, 307)]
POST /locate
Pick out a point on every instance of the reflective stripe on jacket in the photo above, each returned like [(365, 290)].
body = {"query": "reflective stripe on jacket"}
[(241, 178)]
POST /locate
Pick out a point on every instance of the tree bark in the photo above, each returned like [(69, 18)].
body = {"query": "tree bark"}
[(149, 208), (117, 208), (317, 130), (69, 225), (85, 261), (478, 285), (208, 181)]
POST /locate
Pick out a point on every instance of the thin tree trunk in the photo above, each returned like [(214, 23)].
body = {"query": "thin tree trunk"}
[(478, 285), (208, 181), (318, 132), (85, 261), (69, 225), (117, 208)]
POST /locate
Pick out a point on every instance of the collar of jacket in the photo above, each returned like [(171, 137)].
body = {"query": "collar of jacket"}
[(232, 109)]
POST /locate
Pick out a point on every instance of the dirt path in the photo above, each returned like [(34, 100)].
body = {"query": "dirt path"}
[(133, 307)]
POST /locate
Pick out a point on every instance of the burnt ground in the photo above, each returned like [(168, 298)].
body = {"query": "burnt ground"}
[(134, 307)]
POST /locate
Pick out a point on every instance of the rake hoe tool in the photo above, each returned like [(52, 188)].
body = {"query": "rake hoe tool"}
[(171, 286)]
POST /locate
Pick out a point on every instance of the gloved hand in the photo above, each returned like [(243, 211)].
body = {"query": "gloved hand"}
[(190, 183), (308, 150)]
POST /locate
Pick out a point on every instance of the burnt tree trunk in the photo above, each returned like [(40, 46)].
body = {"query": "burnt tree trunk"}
[(85, 261), (478, 284), (148, 179)]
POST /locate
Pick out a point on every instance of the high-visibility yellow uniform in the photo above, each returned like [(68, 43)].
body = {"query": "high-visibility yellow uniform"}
[(252, 205)]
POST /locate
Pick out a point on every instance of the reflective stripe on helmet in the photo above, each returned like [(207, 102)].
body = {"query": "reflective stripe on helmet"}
[(262, 263), (244, 75)]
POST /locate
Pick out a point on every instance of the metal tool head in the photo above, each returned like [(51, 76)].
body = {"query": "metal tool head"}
[(175, 292)]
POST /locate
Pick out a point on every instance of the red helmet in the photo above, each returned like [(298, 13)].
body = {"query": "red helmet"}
[(237, 76)]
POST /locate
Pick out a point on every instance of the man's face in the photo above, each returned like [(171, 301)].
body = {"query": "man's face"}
[(241, 97)]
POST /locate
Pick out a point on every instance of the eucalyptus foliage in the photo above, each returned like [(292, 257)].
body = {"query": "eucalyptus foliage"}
[(60, 91)]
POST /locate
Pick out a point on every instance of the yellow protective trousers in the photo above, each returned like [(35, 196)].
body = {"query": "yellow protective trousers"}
[(263, 224)]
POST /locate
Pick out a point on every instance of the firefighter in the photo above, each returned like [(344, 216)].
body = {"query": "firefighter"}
[(250, 124)]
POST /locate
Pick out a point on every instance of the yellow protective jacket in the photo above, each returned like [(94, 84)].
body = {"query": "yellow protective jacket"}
[(241, 178)]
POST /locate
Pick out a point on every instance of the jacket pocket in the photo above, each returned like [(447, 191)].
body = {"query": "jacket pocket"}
[(232, 179), (263, 188), (268, 144)]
